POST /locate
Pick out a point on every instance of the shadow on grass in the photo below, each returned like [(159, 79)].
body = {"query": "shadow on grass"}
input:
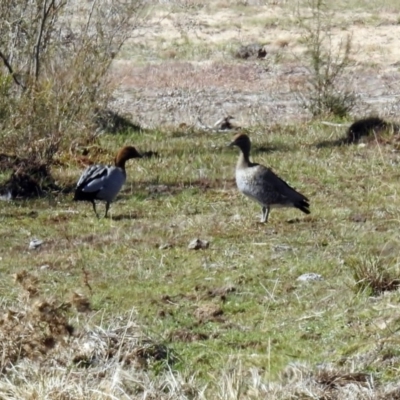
[(124, 217), (158, 189), (331, 143), (272, 148), (300, 220)]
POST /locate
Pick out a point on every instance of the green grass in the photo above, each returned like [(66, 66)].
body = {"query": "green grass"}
[(269, 320)]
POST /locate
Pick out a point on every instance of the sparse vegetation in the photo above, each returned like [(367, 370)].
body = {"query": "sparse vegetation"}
[(232, 316), (376, 274), (55, 57), (181, 294), (325, 92)]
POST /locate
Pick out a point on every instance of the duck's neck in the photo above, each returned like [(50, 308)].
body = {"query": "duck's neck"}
[(120, 163), (244, 159)]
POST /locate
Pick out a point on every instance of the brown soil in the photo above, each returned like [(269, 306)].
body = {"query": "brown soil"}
[(209, 313), (170, 86)]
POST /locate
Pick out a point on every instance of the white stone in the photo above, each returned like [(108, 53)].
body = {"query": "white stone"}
[(35, 243), (310, 277)]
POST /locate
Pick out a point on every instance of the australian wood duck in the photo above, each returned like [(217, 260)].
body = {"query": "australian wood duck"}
[(100, 182), (262, 185)]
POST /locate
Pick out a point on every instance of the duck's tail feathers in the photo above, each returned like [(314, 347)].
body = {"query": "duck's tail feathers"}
[(84, 196), (303, 205)]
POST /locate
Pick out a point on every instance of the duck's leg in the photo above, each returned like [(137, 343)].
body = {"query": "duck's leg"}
[(107, 208), (94, 208), (265, 213)]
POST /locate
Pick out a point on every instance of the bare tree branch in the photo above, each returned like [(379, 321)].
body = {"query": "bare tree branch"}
[(11, 71), (45, 14), (64, 50)]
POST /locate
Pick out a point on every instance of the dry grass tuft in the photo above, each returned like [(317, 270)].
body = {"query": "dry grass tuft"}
[(376, 274), (44, 354), (33, 328)]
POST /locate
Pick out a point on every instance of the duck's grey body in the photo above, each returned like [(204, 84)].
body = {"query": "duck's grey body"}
[(104, 182), (262, 185), (99, 182)]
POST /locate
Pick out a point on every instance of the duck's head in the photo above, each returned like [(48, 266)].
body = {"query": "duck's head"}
[(242, 141), (125, 154)]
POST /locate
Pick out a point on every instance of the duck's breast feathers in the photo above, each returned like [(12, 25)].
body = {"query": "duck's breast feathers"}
[(113, 184)]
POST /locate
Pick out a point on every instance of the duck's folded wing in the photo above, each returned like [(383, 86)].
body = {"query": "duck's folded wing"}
[(93, 178), (281, 187)]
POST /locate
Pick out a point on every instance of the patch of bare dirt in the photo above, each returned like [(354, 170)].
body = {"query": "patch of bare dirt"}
[(209, 313), (171, 88)]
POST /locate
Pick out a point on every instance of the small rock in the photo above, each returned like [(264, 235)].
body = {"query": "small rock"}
[(310, 277), (164, 246), (35, 243), (43, 267), (198, 244)]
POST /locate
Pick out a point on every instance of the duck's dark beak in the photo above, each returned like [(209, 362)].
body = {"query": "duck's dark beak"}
[(231, 144)]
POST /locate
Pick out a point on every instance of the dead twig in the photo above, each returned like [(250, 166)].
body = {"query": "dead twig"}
[(11, 71)]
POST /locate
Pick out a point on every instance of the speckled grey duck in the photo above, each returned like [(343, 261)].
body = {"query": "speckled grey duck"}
[(262, 185)]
